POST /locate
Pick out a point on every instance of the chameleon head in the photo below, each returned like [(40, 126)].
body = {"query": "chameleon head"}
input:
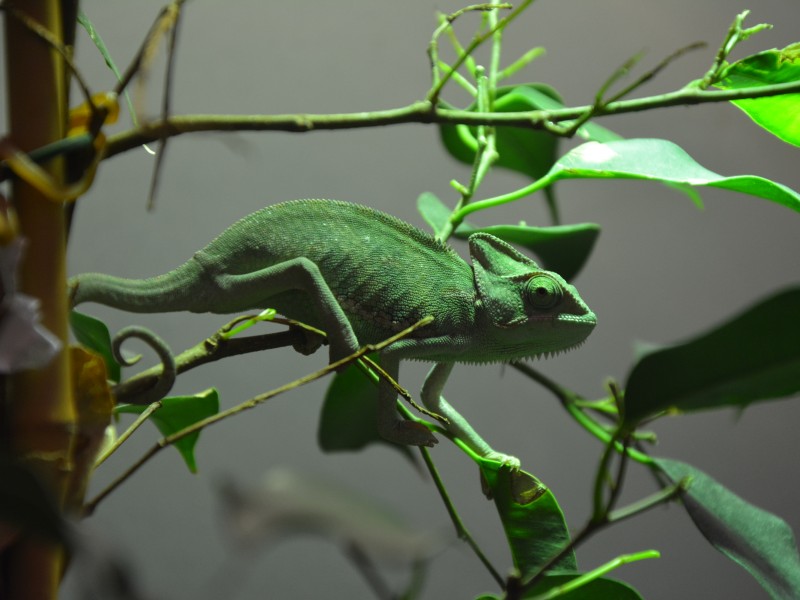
[(528, 311)]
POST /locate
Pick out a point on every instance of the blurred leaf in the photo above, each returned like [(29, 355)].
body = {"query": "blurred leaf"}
[(289, 503), (753, 357), (94, 334), (350, 414), (760, 542), (780, 115), (26, 504), (659, 160), (177, 413), (434, 211), (532, 520), (562, 248)]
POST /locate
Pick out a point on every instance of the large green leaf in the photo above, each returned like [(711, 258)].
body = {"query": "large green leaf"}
[(532, 520), (94, 334), (350, 414), (760, 542), (658, 160), (597, 589), (525, 151), (753, 357), (562, 248), (177, 413), (780, 115)]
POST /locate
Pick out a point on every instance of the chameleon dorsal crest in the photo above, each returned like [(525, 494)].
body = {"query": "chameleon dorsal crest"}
[(500, 274)]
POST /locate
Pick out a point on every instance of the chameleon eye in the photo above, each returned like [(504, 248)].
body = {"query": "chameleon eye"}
[(543, 292)]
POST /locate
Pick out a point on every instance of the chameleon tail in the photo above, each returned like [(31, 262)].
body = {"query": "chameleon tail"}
[(178, 290)]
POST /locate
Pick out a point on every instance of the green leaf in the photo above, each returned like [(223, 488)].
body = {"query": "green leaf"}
[(598, 589), (532, 520), (94, 334), (177, 413), (525, 151), (780, 115), (758, 541), (753, 357), (350, 414), (562, 248), (434, 211), (658, 160)]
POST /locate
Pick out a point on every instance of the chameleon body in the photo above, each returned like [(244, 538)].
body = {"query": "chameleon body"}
[(361, 276)]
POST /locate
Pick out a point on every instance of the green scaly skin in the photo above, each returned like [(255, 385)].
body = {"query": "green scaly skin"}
[(362, 276)]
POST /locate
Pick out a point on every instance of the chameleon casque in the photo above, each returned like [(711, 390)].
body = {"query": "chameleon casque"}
[(362, 276)]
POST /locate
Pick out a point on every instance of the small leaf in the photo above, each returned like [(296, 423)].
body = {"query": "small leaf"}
[(434, 211), (562, 248), (758, 541), (177, 413), (780, 115), (753, 357), (658, 160), (598, 589), (349, 417), (532, 520), (94, 334)]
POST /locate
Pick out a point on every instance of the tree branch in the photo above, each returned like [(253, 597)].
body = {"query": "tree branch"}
[(423, 112)]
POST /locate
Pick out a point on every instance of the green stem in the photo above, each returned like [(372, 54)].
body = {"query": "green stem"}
[(461, 529), (570, 401), (604, 569)]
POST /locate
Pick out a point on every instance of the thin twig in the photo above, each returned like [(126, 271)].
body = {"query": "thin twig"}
[(461, 530), (251, 403), (128, 432), (166, 99)]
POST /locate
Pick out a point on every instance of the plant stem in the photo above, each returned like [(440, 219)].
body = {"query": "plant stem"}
[(423, 112), (461, 530)]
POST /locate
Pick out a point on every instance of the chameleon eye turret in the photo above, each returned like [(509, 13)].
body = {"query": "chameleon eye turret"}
[(543, 292)]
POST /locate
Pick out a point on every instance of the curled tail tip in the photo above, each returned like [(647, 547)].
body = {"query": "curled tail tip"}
[(72, 292)]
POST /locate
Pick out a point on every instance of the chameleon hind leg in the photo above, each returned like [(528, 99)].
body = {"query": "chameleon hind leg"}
[(434, 401), (249, 290)]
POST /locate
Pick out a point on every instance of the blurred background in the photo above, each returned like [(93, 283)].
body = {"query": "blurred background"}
[(662, 271)]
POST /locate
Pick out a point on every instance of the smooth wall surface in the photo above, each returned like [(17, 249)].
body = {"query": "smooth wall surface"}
[(662, 270)]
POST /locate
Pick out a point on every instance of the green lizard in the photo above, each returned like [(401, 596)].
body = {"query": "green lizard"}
[(362, 276)]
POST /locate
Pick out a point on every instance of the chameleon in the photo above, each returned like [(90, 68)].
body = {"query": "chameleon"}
[(362, 276)]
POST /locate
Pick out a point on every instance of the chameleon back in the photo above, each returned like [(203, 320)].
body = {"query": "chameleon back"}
[(385, 273)]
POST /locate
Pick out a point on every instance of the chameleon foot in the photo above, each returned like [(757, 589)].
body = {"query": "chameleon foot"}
[(412, 434), (512, 462)]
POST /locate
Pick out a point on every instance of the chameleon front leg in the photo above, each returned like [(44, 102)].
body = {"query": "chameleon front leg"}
[(434, 401), (298, 274)]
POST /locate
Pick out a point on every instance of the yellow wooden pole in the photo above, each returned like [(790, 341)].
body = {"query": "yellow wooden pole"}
[(39, 414)]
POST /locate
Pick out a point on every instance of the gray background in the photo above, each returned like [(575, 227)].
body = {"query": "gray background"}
[(662, 270)]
